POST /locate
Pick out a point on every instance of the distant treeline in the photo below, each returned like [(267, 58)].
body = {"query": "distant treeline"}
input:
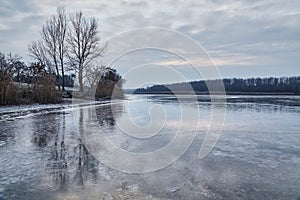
[(287, 85)]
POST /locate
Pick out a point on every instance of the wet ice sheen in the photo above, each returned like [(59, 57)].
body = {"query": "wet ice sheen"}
[(257, 156)]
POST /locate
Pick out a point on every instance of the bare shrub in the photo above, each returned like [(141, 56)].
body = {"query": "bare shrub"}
[(43, 85), (110, 85), (8, 92)]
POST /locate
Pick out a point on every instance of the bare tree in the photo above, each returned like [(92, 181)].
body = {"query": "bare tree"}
[(8, 66), (62, 25), (93, 74), (5, 80), (50, 42), (37, 51), (83, 44), (52, 49)]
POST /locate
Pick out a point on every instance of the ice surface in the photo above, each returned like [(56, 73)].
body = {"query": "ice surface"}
[(42, 154)]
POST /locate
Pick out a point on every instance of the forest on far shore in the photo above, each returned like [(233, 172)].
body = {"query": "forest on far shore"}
[(270, 85)]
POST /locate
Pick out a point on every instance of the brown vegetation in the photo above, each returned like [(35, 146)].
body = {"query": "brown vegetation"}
[(8, 92), (40, 90), (110, 85), (43, 86)]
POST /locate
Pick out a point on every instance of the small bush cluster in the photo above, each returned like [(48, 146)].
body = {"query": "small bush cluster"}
[(110, 85)]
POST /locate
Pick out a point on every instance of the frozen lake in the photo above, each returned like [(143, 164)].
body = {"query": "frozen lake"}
[(51, 152)]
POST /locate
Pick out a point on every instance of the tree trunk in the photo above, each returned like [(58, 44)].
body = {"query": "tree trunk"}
[(63, 76), (57, 81), (80, 80)]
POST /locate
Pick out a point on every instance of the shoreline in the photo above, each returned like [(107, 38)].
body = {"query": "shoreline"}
[(221, 93)]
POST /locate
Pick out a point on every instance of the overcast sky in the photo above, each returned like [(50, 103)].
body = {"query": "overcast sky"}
[(244, 38)]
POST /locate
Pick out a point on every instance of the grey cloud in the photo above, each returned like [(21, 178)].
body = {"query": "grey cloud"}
[(8, 8), (255, 31), (20, 34), (135, 3)]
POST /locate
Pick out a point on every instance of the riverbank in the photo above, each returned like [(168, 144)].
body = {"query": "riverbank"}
[(217, 93)]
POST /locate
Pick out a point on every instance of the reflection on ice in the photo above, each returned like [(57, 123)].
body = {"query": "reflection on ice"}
[(43, 155)]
